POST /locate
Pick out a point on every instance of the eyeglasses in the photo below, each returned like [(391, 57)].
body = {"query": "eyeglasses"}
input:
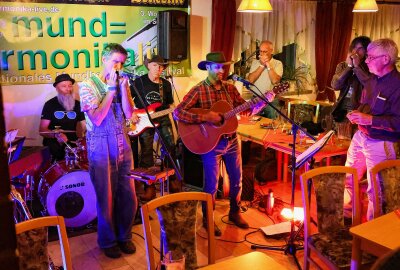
[(264, 52), (372, 58), (60, 114)]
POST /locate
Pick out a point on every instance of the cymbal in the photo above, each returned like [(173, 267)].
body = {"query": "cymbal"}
[(57, 131)]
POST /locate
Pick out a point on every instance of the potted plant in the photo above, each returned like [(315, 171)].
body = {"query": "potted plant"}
[(297, 77)]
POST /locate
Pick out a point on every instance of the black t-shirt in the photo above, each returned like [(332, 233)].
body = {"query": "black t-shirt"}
[(48, 113), (150, 92)]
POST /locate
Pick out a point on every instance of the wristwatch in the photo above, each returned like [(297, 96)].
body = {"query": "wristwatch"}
[(111, 88), (264, 66)]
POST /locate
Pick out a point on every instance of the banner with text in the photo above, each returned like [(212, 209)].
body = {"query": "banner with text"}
[(42, 39)]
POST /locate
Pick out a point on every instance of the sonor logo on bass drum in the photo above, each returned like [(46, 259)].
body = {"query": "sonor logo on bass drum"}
[(69, 186)]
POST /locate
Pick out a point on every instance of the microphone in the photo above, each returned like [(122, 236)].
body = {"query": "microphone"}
[(128, 74), (239, 79)]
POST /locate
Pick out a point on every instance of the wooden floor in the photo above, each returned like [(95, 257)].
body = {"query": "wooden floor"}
[(86, 254)]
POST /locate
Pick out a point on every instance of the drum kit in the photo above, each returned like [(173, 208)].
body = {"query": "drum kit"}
[(65, 189)]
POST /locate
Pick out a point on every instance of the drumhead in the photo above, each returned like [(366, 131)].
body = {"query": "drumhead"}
[(73, 197)]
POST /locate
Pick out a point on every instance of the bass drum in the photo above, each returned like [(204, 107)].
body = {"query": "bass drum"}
[(68, 193)]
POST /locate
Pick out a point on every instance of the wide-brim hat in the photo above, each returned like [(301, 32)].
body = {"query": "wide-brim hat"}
[(62, 78), (214, 58), (155, 59)]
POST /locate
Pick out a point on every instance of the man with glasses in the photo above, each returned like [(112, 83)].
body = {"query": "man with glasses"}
[(266, 72), (157, 91), (62, 112), (107, 103), (377, 117)]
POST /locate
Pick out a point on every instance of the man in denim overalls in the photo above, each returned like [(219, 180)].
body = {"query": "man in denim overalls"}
[(107, 102)]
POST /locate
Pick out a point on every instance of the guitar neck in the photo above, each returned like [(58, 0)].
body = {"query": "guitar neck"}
[(281, 87), (161, 113), (241, 108)]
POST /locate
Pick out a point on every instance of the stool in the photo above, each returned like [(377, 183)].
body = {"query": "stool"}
[(153, 174)]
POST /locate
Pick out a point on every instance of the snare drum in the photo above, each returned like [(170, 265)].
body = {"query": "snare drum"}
[(69, 193)]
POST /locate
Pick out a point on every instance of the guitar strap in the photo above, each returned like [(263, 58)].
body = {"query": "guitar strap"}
[(144, 99), (228, 97), (161, 90)]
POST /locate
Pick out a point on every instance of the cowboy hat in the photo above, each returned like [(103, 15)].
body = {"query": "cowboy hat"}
[(62, 78), (155, 59), (214, 57)]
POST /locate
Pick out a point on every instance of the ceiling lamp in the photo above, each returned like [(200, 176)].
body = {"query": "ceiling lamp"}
[(365, 6), (256, 6)]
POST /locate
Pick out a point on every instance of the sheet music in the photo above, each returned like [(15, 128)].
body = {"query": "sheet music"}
[(313, 149)]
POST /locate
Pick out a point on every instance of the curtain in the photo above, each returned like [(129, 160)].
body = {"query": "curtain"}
[(340, 41), (223, 28), (290, 22), (382, 24), (322, 35)]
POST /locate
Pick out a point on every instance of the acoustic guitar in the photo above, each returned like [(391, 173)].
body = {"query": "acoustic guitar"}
[(202, 138)]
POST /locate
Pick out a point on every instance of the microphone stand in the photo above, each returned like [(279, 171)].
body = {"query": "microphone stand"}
[(164, 148), (290, 247)]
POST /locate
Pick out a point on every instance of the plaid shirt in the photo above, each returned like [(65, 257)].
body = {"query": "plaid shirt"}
[(203, 96)]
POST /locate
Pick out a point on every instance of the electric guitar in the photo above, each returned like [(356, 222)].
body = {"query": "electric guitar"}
[(144, 122), (202, 138)]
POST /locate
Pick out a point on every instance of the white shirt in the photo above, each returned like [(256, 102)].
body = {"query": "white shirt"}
[(264, 82)]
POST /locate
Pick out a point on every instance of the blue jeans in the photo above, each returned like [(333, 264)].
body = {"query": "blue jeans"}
[(110, 161), (229, 152)]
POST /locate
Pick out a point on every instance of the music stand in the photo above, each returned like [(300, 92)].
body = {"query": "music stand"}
[(290, 247)]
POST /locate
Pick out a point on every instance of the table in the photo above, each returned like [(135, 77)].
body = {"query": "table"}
[(254, 260), (377, 237), (152, 175), (281, 142)]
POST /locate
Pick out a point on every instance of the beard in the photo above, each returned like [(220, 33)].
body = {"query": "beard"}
[(67, 101)]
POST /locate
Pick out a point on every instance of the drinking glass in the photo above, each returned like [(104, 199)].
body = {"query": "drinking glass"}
[(302, 137)]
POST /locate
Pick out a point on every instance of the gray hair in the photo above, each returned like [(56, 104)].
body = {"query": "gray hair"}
[(386, 45)]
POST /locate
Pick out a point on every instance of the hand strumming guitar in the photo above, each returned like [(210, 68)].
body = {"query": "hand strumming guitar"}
[(212, 117)]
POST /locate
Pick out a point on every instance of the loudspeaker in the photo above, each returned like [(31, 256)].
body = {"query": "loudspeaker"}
[(172, 33), (192, 166), (248, 182)]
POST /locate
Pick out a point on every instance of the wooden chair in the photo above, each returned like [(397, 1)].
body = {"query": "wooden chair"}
[(177, 216), (33, 233), (388, 200), (332, 244)]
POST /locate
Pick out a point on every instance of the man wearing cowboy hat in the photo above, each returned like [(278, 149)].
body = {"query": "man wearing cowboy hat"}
[(63, 112), (153, 90), (203, 96)]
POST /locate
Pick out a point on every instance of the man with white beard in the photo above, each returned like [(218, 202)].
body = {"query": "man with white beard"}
[(62, 112)]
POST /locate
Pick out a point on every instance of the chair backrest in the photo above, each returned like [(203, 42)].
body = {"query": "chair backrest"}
[(328, 183), (303, 110), (165, 200), (387, 190), (44, 222)]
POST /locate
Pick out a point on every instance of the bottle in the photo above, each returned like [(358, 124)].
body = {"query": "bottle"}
[(270, 202)]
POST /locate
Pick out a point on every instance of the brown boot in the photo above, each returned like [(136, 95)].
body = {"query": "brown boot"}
[(149, 193), (238, 220)]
